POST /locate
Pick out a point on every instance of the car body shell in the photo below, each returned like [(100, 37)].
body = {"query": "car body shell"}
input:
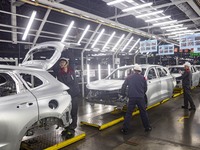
[(31, 98), (106, 91), (175, 71)]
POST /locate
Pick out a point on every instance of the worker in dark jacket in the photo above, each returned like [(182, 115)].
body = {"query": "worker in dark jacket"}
[(67, 76), (137, 87), (186, 83)]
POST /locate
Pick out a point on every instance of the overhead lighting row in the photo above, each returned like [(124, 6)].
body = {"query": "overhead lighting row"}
[(163, 25), (82, 36)]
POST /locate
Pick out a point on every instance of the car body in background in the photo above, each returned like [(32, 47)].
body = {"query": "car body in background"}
[(106, 91), (31, 99), (176, 72)]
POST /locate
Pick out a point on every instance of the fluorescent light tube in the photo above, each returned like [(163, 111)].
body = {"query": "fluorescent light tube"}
[(177, 29), (29, 25), (164, 23), (179, 32), (99, 71), (110, 38), (168, 27), (118, 74), (127, 43), (109, 69), (98, 37), (118, 42), (149, 14), (156, 19), (137, 7), (115, 2), (134, 45), (88, 73), (84, 33), (67, 31)]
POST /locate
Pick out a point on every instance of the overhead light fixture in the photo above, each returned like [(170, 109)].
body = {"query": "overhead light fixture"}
[(149, 14), (156, 19), (84, 33), (99, 71), (173, 26), (109, 70), (110, 38), (127, 43), (118, 73), (115, 2), (98, 37), (137, 7), (67, 31), (134, 45), (29, 25), (136, 51), (179, 32), (177, 29), (165, 23), (88, 73), (118, 42)]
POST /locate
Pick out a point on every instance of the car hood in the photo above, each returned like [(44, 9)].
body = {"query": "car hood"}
[(105, 84)]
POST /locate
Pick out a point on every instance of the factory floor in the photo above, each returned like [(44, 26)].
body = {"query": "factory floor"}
[(173, 128)]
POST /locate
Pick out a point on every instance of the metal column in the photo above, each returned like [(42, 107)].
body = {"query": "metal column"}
[(82, 59), (41, 27), (14, 22)]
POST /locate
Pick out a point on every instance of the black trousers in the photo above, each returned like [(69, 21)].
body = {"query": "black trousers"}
[(74, 114), (140, 102), (188, 97)]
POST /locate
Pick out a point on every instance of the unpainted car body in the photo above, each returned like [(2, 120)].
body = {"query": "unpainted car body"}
[(175, 71), (31, 98), (160, 85)]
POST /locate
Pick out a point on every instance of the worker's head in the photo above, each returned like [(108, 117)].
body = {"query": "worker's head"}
[(187, 65), (64, 62), (137, 68)]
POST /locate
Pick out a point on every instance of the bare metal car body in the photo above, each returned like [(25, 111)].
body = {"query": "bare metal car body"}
[(31, 98), (160, 85), (175, 71)]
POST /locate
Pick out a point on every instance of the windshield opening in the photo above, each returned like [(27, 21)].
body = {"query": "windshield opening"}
[(42, 53), (121, 74), (176, 69)]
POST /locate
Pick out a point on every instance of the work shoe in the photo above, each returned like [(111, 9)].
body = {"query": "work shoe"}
[(192, 109), (124, 131), (148, 129), (184, 107)]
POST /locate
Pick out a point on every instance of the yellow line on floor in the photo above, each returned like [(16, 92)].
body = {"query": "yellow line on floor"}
[(67, 142), (181, 118)]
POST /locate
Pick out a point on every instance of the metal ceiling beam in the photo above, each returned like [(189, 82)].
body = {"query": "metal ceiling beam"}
[(13, 22), (41, 26), (87, 16), (149, 9)]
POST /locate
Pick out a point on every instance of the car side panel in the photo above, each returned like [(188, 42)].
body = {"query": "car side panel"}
[(17, 113)]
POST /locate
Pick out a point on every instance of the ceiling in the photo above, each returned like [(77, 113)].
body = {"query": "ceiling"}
[(54, 17)]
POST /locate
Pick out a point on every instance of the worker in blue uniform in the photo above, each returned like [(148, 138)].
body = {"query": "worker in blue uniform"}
[(67, 76), (137, 87), (186, 83)]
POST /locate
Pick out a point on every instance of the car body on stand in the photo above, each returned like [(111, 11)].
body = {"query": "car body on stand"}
[(31, 99), (107, 91), (176, 72)]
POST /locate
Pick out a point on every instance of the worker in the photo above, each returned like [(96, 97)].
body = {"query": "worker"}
[(137, 87), (67, 76), (186, 83)]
